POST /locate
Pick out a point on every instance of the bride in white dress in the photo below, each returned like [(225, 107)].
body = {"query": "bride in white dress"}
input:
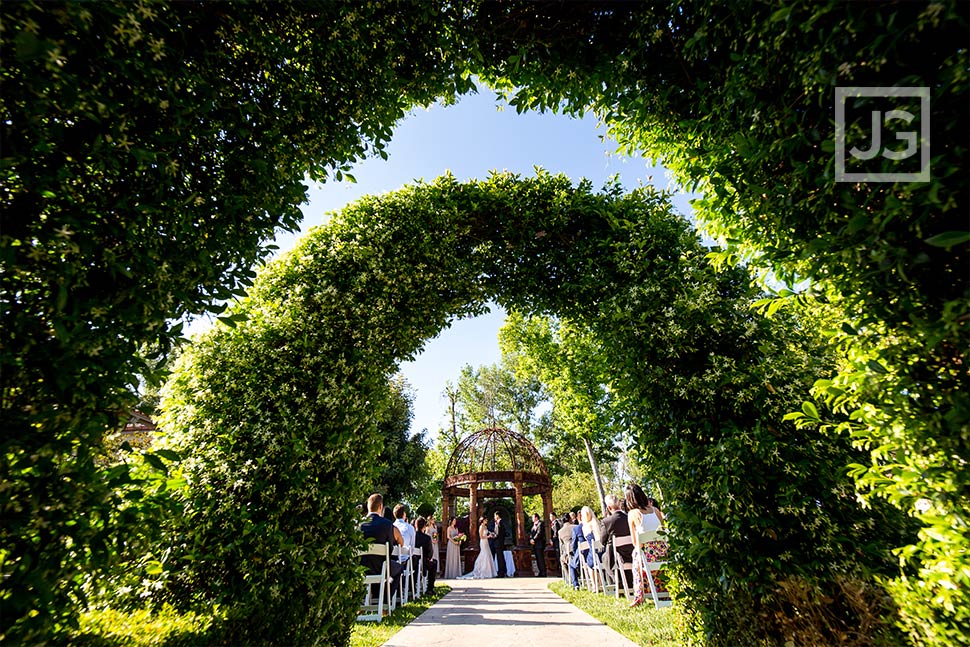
[(484, 564)]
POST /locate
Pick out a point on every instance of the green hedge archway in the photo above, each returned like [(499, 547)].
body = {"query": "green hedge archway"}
[(275, 414)]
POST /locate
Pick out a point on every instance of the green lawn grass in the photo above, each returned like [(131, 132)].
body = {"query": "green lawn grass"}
[(372, 634), (644, 625)]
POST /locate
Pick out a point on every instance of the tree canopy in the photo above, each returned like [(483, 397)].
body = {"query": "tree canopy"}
[(568, 361)]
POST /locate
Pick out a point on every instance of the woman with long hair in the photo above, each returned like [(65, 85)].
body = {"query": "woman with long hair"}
[(644, 517), (453, 554), (484, 563), (590, 531)]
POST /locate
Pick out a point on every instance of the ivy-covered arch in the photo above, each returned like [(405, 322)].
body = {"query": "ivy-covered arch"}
[(275, 413)]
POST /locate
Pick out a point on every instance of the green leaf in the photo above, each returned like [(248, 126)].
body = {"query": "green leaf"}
[(155, 462), (175, 484), (948, 239), (781, 14), (810, 410), (154, 568), (876, 367), (168, 454)]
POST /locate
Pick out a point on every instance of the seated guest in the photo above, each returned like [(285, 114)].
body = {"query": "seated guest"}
[(422, 540), (643, 517), (589, 531), (406, 529), (616, 525), (565, 535), (592, 532), (576, 537), (381, 531)]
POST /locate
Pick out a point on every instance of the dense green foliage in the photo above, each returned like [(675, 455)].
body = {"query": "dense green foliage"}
[(569, 362), (150, 150), (737, 99), (400, 463), (161, 626)]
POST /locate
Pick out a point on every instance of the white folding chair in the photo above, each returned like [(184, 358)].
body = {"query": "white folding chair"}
[(602, 578), (586, 578), (621, 568), (420, 578), (564, 560), (651, 567), (407, 576), (369, 608)]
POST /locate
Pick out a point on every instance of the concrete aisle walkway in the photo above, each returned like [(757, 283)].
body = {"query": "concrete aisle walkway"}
[(512, 611)]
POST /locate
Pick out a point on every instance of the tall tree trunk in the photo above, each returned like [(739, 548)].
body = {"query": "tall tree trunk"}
[(451, 392), (596, 474)]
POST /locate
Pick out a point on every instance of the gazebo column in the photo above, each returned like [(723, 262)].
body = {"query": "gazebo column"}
[(549, 554), (473, 513), (445, 511), (519, 511), (546, 511), (522, 553)]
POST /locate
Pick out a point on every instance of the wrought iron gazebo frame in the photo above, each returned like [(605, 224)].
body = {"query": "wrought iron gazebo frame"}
[(473, 464)]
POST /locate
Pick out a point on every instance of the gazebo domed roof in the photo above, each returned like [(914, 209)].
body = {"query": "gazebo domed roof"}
[(497, 463), (496, 450)]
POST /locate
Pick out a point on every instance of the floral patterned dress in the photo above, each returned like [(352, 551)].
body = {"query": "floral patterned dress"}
[(654, 551)]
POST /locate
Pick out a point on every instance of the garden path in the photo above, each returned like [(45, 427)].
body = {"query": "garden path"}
[(512, 611)]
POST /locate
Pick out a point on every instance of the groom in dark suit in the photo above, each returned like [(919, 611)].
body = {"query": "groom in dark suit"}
[(538, 541), (491, 535), (500, 544)]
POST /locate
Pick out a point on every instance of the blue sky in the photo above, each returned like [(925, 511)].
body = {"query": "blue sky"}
[(471, 139)]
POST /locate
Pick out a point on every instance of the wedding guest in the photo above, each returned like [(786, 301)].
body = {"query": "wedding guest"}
[(653, 503), (576, 537), (538, 542), (592, 530), (432, 530), (643, 517), (555, 525), (565, 536), (423, 541), (617, 525), (406, 529), (381, 531), (453, 553)]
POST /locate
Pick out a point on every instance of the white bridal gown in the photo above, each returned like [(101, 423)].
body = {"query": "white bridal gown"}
[(484, 564)]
